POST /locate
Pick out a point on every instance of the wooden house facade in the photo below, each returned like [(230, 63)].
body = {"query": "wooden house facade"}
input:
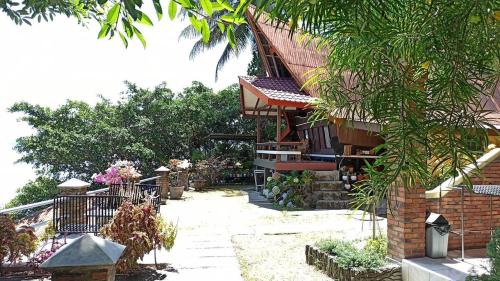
[(299, 144)]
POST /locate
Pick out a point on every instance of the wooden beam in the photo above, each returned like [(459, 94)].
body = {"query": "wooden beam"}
[(255, 107), (260, 47), (278, 125), (268, 110)]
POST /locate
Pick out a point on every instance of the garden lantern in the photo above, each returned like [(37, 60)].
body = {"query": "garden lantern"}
[(87, 258), (73, 187)]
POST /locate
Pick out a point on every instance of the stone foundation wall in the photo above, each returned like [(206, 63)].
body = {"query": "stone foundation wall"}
[(327, 263)]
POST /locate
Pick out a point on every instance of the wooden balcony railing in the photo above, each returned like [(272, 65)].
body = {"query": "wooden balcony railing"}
[(281, 151)]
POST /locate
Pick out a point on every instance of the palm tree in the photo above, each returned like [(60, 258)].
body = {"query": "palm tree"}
[(243, 39)]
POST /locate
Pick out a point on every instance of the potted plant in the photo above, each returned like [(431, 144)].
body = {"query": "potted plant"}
[(201, 169), (179, 177)]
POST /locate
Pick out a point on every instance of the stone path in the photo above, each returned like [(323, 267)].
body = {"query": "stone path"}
[(207, 221)]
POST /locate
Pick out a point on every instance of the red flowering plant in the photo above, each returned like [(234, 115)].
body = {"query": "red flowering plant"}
[(141, 230)]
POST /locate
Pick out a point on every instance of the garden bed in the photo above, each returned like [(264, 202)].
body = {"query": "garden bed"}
[(329, 264)]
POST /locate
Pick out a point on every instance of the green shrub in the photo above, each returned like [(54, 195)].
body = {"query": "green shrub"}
[(377, 245), (493, 252), (350, 257)]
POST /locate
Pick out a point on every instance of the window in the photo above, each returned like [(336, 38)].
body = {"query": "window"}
[(328, 141)]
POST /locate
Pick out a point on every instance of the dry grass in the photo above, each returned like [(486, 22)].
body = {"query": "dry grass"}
[(277, 257)]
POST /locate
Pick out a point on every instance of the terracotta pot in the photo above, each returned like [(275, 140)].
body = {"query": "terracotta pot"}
[(199, 185), (176, 192)]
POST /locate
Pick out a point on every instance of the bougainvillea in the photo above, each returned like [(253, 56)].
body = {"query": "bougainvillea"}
[(119, 172), (141, 230)]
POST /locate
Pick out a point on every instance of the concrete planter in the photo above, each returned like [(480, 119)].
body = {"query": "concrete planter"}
[(328, 264), (199, 185), (176, 192)]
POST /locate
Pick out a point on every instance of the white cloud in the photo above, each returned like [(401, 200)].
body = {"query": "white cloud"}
[(49, 63)]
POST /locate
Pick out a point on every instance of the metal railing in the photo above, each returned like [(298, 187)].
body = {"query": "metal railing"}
[(83, 213), (88, 213)]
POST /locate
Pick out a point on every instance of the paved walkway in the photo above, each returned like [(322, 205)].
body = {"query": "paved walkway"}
[(208, 220)]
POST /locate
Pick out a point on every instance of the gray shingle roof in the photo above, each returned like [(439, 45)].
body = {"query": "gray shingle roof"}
[(487, 189), (284, 89), (87, 250)]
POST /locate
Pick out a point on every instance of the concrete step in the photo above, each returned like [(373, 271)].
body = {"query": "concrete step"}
[(326, 175), (328, 185), (331, 195), (333, 204)]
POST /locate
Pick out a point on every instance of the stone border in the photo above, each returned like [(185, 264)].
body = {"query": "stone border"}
[(327, 264)]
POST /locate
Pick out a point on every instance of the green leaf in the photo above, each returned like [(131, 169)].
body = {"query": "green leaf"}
[(102, 2), (239, 20), (242, 6), (207, 7), (113, 13), (474, 19), (158, 9), (205, 31), (144, 19), (185, 3), (130, 8), (127, 27), (140, 36), (230, 36), (124, 40), (172, 9), (222, 27), (228, 18), (195, 23), (217, 7), (104, 31), (226, 5)]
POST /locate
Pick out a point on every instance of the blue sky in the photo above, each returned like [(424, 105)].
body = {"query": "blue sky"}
[(49, 63)]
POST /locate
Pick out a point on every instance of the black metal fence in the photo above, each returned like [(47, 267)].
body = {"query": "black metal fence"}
[(88, 213)]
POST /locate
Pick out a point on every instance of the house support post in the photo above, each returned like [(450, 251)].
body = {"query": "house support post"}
[(258, 129)]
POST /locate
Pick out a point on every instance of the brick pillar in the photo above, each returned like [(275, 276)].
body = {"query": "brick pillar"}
[(406, 223), (163, 173)]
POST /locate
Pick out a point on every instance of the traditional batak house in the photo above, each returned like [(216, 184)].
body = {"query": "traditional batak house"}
[(323, 146), (301, 145)]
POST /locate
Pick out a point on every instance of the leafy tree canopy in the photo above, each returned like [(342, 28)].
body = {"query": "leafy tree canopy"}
[(416, 68), (148, 126)]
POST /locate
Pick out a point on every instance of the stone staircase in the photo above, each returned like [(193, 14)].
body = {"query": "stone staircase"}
[(328, 191)]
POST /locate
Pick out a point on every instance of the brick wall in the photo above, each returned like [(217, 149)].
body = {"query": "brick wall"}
[(476, 210), (406, 223), (476, 217), (489, 174)]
